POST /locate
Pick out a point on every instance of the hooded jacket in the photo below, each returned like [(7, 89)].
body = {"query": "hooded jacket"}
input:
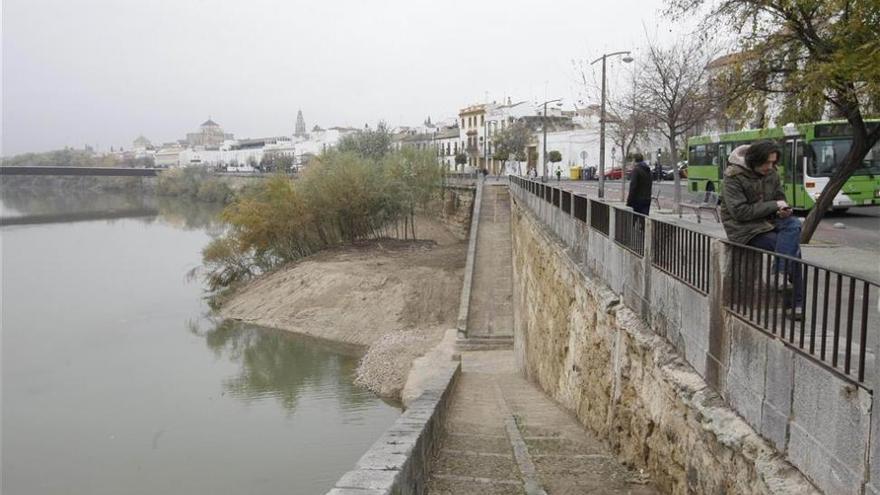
[(748, 202), (640, 185)]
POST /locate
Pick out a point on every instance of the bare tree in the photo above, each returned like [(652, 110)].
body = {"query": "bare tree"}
[(828, 50), (675, 94), (628, 122)]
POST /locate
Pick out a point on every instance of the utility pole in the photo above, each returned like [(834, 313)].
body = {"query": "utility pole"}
[(544, 154), (485, 138), (627, 59)]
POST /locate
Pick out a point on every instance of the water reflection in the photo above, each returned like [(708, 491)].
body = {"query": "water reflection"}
[(280, 365), (38, 205), (108, 392)]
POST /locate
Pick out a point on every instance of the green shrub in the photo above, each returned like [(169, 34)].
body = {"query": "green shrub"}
[(342, 197), (194, 183)]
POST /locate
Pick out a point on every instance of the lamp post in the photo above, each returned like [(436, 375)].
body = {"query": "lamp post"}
[(627, 59), (544, 153)]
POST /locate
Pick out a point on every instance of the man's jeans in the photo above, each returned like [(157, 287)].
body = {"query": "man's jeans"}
[(643, 207), (785, 239)]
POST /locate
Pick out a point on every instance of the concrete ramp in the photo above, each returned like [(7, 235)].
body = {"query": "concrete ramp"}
[(490, 310)]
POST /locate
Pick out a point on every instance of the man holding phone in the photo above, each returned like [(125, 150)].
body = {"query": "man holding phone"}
[(754, 210)]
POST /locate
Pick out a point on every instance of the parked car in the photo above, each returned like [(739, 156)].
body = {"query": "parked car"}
[(682, 172), (614, 174)]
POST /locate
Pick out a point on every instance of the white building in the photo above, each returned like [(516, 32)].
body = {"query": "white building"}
[(447, 142), (168, 156), (319, 141), (246, 155)]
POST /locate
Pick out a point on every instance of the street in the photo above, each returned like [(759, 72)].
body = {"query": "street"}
[(861, 226)]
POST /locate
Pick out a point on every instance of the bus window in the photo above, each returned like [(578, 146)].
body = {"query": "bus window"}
[(698, 155), (829, 153), (799, 162), (712, 154)]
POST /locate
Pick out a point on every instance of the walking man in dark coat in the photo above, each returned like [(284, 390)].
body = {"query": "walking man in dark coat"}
[(639, 198)]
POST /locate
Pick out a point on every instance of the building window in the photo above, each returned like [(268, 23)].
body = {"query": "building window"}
[(482, 119)]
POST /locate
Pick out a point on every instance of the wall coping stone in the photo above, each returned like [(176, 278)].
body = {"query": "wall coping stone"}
[(396, 462)]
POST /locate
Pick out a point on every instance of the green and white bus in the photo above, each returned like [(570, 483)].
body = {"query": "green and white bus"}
[(811, 154)]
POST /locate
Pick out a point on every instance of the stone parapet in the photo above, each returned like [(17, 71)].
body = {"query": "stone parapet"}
[(398, 462), (580, 341)]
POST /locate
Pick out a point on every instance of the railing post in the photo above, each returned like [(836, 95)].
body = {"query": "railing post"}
[(872, 487), (719, 288), (646, 270)]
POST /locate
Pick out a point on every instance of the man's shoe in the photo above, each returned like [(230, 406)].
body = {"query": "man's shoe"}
[(796, 313)]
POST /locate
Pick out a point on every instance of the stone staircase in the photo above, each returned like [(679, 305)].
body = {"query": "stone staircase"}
[(490, 313)]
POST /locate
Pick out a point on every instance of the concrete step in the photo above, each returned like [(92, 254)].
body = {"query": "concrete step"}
[(484, 343)]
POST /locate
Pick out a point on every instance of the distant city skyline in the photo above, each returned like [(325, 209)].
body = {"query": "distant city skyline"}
[(102, 72)]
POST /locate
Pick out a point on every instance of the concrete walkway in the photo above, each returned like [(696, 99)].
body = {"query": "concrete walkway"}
[(504, 436), (491, 313)]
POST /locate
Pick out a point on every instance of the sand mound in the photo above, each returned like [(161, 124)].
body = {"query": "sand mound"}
[(396, 297)]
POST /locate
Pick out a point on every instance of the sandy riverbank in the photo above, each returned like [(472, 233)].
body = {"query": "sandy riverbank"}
[(395, 298)]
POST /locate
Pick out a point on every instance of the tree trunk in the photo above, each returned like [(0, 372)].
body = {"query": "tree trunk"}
[(862, 143)]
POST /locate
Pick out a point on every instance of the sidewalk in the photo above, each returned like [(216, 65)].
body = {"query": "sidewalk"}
[(505, 436), (860, 262)]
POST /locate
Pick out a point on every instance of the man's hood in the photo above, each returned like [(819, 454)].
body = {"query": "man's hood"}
[(734, 169)]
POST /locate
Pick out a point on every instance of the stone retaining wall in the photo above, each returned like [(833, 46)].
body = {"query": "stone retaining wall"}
[(398, 463), (456, 206), (601, 361)]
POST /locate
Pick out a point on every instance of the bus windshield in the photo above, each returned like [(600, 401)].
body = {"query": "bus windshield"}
[(829, 153)]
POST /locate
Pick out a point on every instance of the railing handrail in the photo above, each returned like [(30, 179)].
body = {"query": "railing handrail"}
[(728, 241), (801, 261)]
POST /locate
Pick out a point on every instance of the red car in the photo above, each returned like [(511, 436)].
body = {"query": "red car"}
[(614, 174)]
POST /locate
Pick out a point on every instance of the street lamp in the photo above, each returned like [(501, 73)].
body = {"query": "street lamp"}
[(627, 59), (544, 155)]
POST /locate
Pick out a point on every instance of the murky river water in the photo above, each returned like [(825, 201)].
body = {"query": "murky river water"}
[(115, 380)]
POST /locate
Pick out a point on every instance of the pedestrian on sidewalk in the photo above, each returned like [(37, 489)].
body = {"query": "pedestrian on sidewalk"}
[(754, 212), (639, 197), (558, 174)]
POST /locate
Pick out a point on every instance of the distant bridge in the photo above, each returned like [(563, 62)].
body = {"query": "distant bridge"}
[(79, 216), (94, 171)]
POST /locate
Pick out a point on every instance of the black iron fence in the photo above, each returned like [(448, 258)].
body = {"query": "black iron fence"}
[(682, 253), (580, 208), (629, 230), (566, 202), (823, 313), (600, 216)]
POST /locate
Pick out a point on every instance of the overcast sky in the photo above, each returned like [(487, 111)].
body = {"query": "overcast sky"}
[(100, 72)]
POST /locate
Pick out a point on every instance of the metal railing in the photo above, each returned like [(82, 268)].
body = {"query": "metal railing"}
[(682, 253), (835, 325), (821, 312), (580, 208), (629, 230), (600, 216)]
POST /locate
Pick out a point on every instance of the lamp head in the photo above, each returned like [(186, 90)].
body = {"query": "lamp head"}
[(627, 59)]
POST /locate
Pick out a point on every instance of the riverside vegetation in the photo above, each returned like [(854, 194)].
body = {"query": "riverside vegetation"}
[(196, 183), (344, 196)]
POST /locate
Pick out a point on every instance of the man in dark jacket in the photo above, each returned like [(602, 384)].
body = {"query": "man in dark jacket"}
[(639, 198), (754, 210)]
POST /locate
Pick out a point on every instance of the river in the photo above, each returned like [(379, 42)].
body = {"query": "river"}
[(117, 380)]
